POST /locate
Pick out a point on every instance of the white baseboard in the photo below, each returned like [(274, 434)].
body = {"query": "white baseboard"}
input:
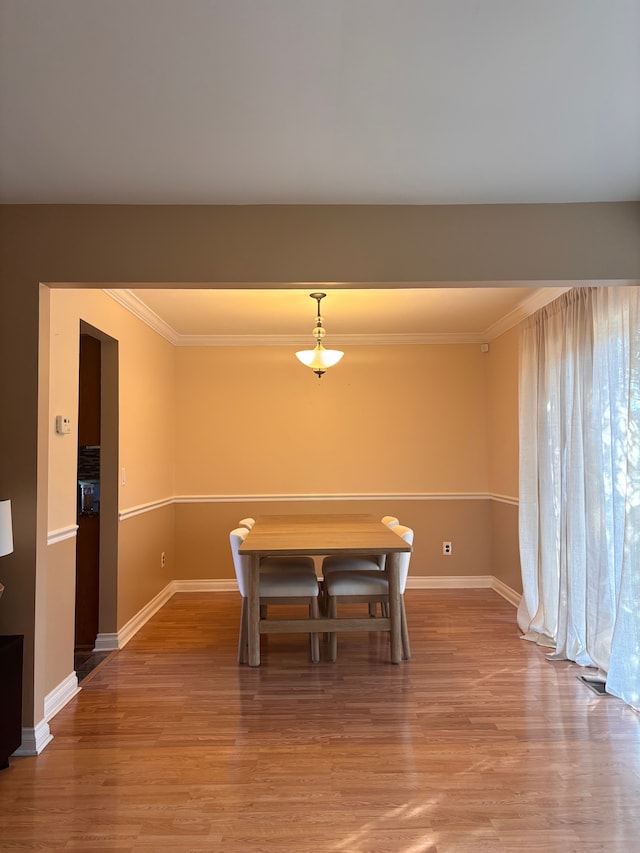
[(34, 740), (58, 698), (449, 582), (506, 592), (113, 642), (413, 582), (211, 585), (106, 643), (136, 622), (67, 689), (466, 582), (432, 582)]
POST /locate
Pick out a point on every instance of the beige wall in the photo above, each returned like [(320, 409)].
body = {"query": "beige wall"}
[(202, 532), (146, 430), (358, 244), (502, 409), (76, 244), (146, 434), (505, 547), (59, 619), (141, 577), (390, 419), (146, 402), (455, 432)]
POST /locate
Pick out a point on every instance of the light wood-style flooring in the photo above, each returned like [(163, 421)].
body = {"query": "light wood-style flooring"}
[(476, 745)]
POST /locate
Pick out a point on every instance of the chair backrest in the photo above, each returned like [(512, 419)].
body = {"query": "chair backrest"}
[(240, 562), (390, 521), (247, 522), (407, 534)]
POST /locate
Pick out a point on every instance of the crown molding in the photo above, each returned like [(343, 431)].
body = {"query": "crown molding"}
[(539, 298), (336, 340), (136, 307), (528, 306), (543, 296)]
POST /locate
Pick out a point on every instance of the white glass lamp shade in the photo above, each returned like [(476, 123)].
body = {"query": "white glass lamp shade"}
[(319, 358), (6, 533)]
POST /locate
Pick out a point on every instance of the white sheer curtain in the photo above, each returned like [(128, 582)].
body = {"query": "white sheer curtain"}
[(580, 482)]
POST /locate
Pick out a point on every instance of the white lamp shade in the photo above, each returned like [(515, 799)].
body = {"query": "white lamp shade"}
[(6, 533), (319, 358)]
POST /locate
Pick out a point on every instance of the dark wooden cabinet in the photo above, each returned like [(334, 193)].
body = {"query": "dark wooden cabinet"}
[(10, 696)]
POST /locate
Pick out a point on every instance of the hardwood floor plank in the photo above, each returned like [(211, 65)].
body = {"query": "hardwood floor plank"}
[(477, 744)]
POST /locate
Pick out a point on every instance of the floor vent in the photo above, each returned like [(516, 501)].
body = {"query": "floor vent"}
[(599, 687)]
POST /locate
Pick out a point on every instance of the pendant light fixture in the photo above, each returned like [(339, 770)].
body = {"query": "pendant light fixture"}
[(319, 358)]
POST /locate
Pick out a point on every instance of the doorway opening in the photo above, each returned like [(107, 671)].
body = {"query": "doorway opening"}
[(96, 542)]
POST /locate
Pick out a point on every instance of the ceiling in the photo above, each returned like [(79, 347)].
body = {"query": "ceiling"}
[(351, 316), (341, 102), (300, 101)]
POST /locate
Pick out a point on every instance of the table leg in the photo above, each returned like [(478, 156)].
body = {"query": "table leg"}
[(254, 611), (393, 573)]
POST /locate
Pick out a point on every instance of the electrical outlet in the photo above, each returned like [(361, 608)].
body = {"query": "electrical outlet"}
[(63, 425), (163, 560), (446, 548)]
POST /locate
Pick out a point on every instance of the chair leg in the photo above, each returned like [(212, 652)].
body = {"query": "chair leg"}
[(332, 611), (243, 637), (322, 598), (315, 645), (406, 648)]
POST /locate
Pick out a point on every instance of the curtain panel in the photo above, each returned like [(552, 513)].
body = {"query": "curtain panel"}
[(579, 413)]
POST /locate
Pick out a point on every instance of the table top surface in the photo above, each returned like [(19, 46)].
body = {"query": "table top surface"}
[(328, 534)]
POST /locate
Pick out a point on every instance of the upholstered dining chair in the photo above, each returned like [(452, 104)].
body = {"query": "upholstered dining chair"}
[(368, 562), (290, 584), (277, 564), (368, 587), (363, 563)]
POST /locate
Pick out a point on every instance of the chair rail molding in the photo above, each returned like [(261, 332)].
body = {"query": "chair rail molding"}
[(345, 496), (61, 534)]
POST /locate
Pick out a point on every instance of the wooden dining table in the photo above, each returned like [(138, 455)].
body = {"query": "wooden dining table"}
[(322, 535)]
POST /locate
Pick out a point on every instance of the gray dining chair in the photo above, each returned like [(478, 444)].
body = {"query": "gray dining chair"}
[(368, 587), (285, 584), (277, 564), (363, 563), (367, 562)]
